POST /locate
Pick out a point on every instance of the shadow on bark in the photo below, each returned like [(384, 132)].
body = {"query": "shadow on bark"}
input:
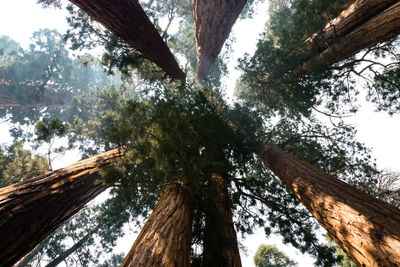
[(31, 210), (368, 229)]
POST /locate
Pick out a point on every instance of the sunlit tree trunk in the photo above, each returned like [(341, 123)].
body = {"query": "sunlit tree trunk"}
[(128, 20), (367, 228), (354, 16), (213, 21), (31, 210), (165, 238), (220, 240), (364, 24)]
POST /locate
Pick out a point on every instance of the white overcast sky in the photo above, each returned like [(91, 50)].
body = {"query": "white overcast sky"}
[(20, 18)]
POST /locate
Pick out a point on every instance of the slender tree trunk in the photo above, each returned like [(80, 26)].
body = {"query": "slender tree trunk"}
[(31, 210), (367, 228), (378, 29), (65, 254), (28, 257), (220, 240), (128, 20), (214, 20), (166, 236)]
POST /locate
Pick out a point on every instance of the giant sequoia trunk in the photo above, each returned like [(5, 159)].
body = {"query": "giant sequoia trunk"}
[(31, 210), (348, 20), (220, 240), (214, 20), (128, 20), (166, 236), (367, 228), (361, 27)]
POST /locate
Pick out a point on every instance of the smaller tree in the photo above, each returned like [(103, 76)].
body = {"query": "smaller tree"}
[(270, 255), (18, 164)]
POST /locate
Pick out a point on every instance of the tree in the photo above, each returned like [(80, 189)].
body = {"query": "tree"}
[(220, 241), (269, 256), (30, 89), (358, 222), (38, 76), (213, 22), (137, 30), (298, 67), (191, 135), (63, 192), (18, 164), (165, 238)]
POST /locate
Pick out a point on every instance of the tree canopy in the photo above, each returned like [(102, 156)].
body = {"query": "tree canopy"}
[(185, 131)]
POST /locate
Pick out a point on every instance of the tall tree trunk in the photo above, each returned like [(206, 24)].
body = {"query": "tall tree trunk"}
[(214, 20), (367, 228), (128, 20), (166, 236), (220, 240), (378, 29), (31, 210), (65, 254), (354, 16)]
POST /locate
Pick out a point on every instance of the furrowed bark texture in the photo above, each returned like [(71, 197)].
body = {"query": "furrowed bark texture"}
[(220, 240), (128, 20), (213, 20), (356, 32), (166, 236), (367, 228), (352, 17), (31, 210)]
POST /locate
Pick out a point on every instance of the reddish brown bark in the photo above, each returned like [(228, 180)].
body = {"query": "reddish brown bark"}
[(354, 16), (166, 236), (220, 240), (31, 210), (356, 34), (367, 228), (213, 20), (128, 20)]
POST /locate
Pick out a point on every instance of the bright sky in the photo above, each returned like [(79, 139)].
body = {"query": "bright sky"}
[(19, 19)]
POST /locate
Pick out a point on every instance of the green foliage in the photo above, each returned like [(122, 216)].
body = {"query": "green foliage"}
[(344, 259), (43, 80), (47, 129), (270, 81), (99, 226), (387, 86), (271, 256), (190, 133), (18, 164), (114, 260)]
